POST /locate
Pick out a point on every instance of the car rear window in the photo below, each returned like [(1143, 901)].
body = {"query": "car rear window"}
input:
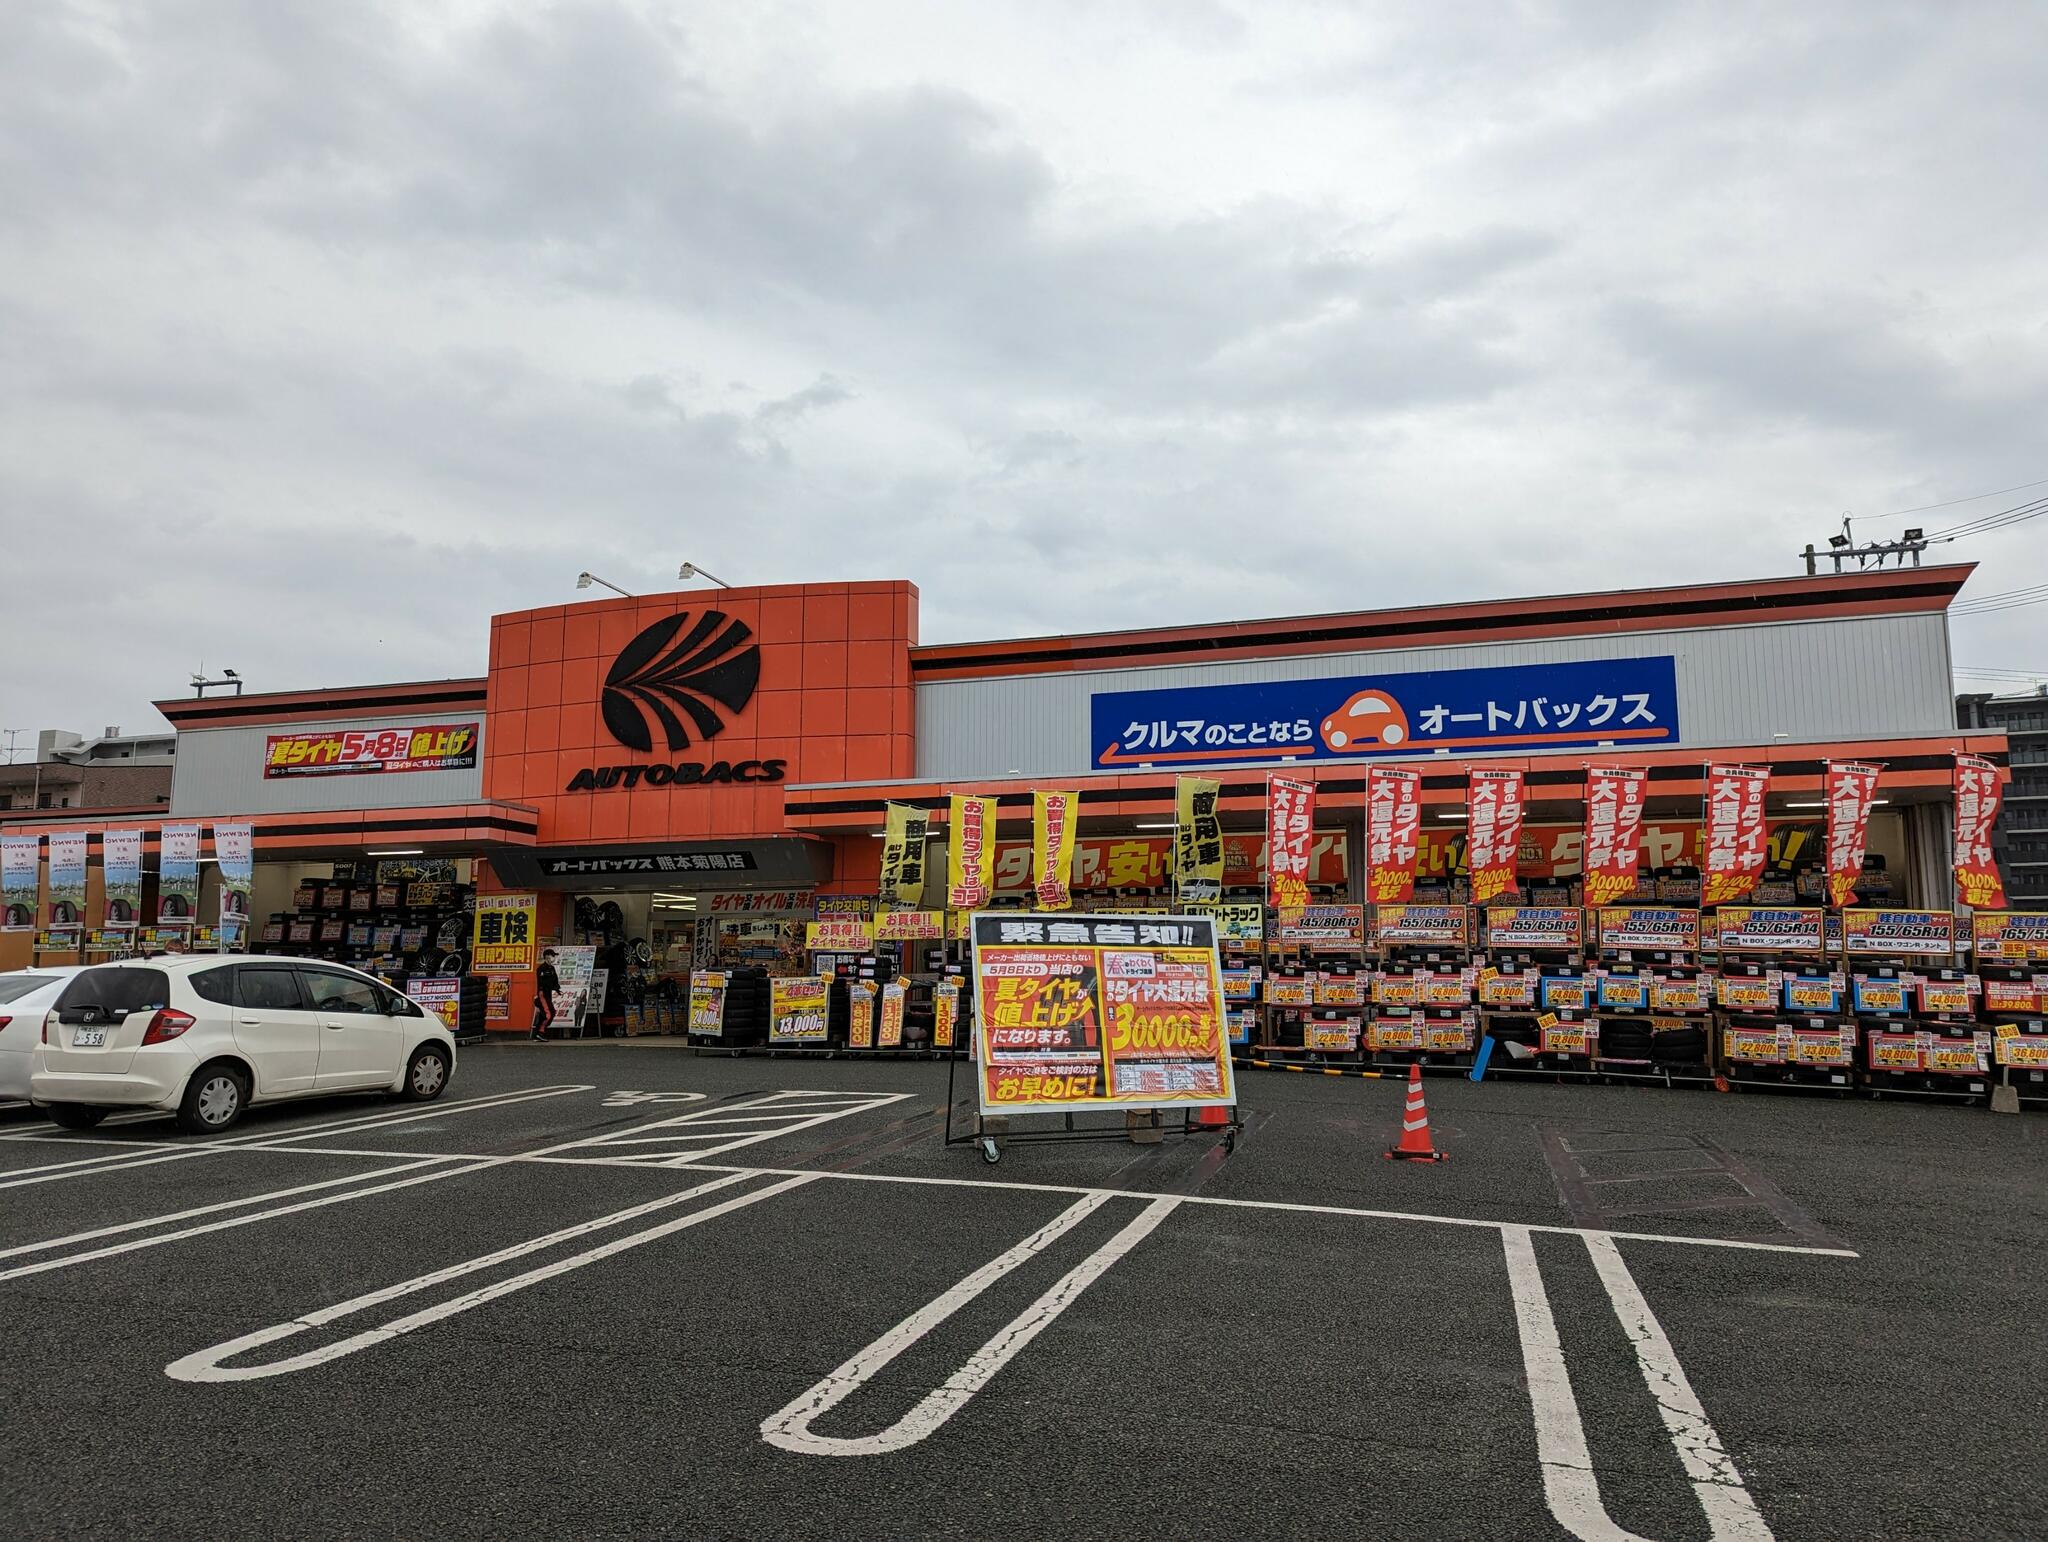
[(117, 990), (15, 986), (215, 985)]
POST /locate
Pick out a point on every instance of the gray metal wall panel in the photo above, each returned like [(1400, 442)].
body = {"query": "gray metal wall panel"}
[(220, 771), (1868, 677)]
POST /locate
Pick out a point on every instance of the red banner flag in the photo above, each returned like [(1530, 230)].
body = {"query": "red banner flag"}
[(1851, 789), (1290, 837), (1393, 834), (1738, 839), (1493, 832), (1978, 793), (1614, 832)]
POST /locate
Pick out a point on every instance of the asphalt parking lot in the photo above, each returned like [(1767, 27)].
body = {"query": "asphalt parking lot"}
[(613, 1290)]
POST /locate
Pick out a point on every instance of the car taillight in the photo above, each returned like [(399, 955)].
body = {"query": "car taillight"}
[(46, 1025), (168, 1023)]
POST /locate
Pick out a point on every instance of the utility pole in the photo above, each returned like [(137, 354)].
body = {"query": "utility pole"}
[(1843, 547)]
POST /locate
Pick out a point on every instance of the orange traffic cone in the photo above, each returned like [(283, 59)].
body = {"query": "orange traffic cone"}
[(1211, 1116), (1414, 1144)]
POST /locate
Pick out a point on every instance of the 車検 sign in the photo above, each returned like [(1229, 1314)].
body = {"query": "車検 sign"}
[(504, 941)]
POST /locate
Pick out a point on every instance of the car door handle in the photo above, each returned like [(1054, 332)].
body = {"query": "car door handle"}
[(334, 1027)]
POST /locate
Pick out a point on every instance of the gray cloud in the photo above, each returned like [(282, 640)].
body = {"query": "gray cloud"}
[(1123, 315)]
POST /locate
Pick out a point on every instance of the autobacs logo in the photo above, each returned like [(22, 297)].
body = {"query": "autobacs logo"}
[(683, 677), (713, 666)]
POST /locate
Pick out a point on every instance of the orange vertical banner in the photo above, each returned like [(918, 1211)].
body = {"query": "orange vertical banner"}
[(1737, 841), (1851, 790), (1290, 839), (1614, 832), (1979, 791), (1393, 834), (1493, 832)]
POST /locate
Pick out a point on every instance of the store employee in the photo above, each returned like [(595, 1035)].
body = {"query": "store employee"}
[(546, 985)]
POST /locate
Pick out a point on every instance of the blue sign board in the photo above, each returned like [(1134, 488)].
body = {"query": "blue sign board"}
[(1518, 706)]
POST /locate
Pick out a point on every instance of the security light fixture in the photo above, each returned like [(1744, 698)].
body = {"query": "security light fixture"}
[(585, 579), (691, 570)]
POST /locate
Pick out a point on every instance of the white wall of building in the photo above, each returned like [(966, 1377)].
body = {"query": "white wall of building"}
[(220, 771), (1860, 678)]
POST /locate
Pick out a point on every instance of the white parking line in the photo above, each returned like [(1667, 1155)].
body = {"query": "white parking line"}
[(214, 1209), (1731, 1513), (792, 1113), (205, 1365), (87, 1167), (1570, 1487), (449, 1165), (790, 1428)]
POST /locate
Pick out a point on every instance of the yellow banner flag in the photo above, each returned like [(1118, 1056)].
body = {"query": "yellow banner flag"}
[(970, 853), (903, 855), (1053, 818), (1197, 841)]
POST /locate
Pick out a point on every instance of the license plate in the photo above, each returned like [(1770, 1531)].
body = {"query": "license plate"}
[(88, 1038)]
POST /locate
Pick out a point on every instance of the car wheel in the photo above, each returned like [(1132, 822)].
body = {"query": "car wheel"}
[(214, 1099), (76, 1116), (426, 1074)]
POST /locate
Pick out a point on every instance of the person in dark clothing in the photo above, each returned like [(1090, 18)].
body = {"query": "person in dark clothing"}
[(546, 986)]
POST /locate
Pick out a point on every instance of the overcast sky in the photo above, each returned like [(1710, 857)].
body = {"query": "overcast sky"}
[(328, 329)]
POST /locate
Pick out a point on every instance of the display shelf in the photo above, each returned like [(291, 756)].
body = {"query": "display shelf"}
[(1538, 999), (1914, 1008), (1654, 1000), (1423, 991)]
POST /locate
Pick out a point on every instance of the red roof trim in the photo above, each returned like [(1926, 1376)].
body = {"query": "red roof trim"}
[(407, 699), (1895, 591)]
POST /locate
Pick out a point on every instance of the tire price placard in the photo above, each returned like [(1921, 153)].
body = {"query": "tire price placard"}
[(1098, 1011)]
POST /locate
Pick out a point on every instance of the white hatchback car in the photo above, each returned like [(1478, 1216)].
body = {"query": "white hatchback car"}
[(207, 1036), (25, 995)]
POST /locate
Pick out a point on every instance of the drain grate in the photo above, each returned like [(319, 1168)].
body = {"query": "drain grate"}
[(1608, 1177)]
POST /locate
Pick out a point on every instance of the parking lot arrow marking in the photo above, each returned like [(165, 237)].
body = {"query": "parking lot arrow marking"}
[(790, 1428), (206, 1366)]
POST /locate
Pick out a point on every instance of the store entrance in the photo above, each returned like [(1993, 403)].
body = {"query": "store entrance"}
[(625, 956)]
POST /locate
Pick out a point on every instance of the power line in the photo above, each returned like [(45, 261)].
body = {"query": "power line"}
[(1986, 610), (2006, 594), (2017, 514), (1974, 497)]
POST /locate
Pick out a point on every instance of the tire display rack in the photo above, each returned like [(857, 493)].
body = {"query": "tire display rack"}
[(1782, 1018), (854, 999), (1916, 1018), (1315, 987), (1424, 1010), (1547, 1022)]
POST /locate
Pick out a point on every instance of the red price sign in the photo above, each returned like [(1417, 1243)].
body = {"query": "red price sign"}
[(352, 752)]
